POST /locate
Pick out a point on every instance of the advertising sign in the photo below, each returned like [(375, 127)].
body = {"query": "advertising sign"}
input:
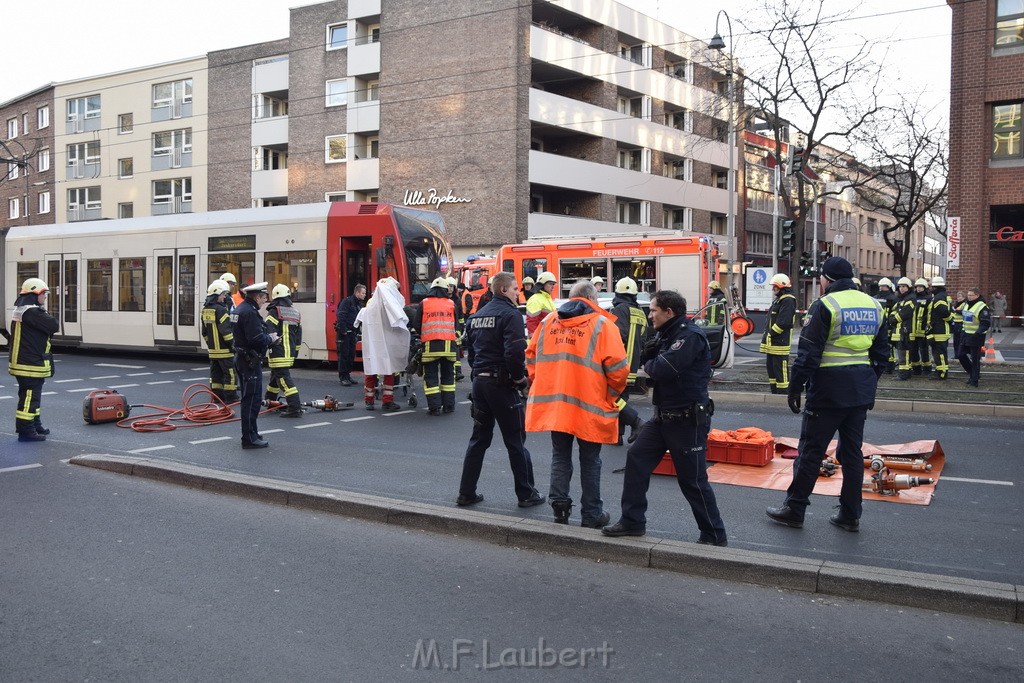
[(759, 292), (953, 244)]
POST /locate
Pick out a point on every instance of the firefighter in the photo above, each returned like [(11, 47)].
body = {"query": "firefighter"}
[(434, 319), (219, 335), (598, 283), (541, 303), (940, 318), (632, 324), (251, 341), (236, 294), (486, 297), (778, 333), (30, 360), (527, 292), (284, 319), (903, 317), (887, 298), (716, 303), (920, 350)]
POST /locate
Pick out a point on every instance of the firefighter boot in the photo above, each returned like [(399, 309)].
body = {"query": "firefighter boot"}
[(294, 408), (562, 510), (38, 424)]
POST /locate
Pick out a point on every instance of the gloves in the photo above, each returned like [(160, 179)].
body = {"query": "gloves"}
[(794, 400), (650, 350), (522, 386)]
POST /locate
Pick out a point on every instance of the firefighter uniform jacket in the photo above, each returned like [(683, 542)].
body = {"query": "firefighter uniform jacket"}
[(537, 308), (217, 328), (632, 324), (31, 329), (435, 319), (919, 328), (579, 367), (940, 313), (778, 331), (284, 319), (887, 300), (903, 316), (716, 307)]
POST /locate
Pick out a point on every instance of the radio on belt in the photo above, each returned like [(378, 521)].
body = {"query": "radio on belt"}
[(104, 405)]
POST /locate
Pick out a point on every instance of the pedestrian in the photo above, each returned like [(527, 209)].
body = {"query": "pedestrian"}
[(920, 348), (434, 319), (236, 295), (998, 311), (977, 321), (286, 321), (345, 333), (598, 283), (577, 367), (887, 299), (843, 351), (716, 304), (958, 320), (29, 358), (903, 316), (218, 332), (940, 316), (778, 333), (541, 303), (251, 343), (632, 325), (497, 358), (678, 361), (385, 330)]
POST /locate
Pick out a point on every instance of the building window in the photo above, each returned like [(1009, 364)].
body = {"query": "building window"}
[(630, 159), (167, 191), (337, 36), (1006, 131), (126, 210), (82, 154), (84, 197), (297, 269), (372, 91), (12, 171), (335, 197), (125, 168), (759, 243), (125, 123), (1009, 23), (631, 106), (168, 141), (336, 93), (43, 160), (720, 179), (43, 202), (267, 107), (12, 128), (24, 124), (43, 117), (99, 285), (629, 212), (335, 149), (680, 120), (267, 159), (172, 92), (131, 284), (84, 108), (13, 210), (681, 69)]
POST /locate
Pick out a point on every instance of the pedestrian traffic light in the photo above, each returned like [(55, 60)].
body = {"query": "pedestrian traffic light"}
[(798, 161), (805, 265), (787, 238)]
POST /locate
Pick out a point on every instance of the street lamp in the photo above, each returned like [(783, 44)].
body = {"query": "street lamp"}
[(718, 45)]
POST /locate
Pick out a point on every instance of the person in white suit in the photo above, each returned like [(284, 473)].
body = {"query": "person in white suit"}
[(386, 339)]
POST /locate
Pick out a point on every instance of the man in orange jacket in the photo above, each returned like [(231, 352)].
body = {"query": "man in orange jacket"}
[(578, 368)]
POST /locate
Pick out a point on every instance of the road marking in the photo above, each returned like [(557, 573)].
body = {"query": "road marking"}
[(64, 381), (167, 372), (271, 431), (400, 412), (193, 379), (20, 467), (79, 391), (977, 481), (216, 438), (163, 381), (315, 424), (116, 365), (3, 397), (462, 403), (199, 368), (152, 448), (45, 393), (357, 419), (139, 374), (106, 377), (121, 386)]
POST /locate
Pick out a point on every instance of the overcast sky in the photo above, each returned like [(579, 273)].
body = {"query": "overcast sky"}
[(58, 40)]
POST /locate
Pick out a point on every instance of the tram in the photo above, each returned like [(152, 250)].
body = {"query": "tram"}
[(140, 283)]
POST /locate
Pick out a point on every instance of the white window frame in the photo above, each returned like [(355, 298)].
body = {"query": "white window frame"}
[(24, 124), (372, 90), (43, 117), (120, 209), (13, 208), (91, 202), (185, 85), (327, 41), (82, 106), (81, 150), (43, 160), (121, 129), (331, 98), (13, 171), (327, 149), (120, 167), (43, 202), (12, 128), (342, 194), (184, 184), (184, 134)]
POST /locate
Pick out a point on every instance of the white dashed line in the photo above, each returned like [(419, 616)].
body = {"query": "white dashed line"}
[(65, 381), (270, 431), (3, 397), (163, 381), (216, 438), (167, 372), (152, 448), (313, 424), (49, 393), (400, 412), (199, 368), (357, 419), (79, 391), (121, 386), (105, 377), (978, 481), (193, 379), (462, 403), (117, 365), (20, 467), (139, 374)]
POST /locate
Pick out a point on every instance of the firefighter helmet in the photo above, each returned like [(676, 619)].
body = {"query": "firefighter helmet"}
[(528, 280), (626, 285), (780, 280), (597, 280), (904, 282), (218, 287), (229, 278), (921, 282), (714, 284), (450, 281), (34, 285), (938, 281), (545, 278), (280, 291), (441, 282), (856, 281), (886, 282)]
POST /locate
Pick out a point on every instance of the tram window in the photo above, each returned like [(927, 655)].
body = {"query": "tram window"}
[(26, 270), (99, 285), (241, 265), (297, 269), (131, 290)]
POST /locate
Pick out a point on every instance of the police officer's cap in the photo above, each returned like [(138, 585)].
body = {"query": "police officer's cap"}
[(836, 268), (258, 288)]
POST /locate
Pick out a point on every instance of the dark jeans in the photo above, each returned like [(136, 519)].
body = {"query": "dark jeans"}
[(346, 353), (498, 403), (439, 383), (970, 360), (687, 445), (26, 414), (816, 431), (249, 380), (590, 474)]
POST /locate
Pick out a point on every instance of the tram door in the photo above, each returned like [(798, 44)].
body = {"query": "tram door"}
[(176, 304), (355, 264), (62, 275)]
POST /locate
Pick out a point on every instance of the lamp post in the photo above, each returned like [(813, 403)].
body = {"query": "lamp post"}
[(718, 45)]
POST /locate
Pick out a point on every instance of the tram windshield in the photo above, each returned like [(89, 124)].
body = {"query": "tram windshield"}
[(425, 243)]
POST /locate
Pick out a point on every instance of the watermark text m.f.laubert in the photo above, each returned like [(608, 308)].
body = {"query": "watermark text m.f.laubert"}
[(484, 655)]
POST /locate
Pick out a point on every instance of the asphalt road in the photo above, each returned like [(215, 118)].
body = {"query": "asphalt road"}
[(972, 528), (114, 578)]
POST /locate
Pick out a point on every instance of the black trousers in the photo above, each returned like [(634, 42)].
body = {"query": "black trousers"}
[(439, 383), (249, 380), (281, 382), (816, 431), (26, 414), (970, 360), (346, 353), (778, 373), (222, 377)]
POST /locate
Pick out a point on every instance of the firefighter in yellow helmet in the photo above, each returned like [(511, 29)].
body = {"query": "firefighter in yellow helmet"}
[(284, 319), (778, 333), (218, 333), (30, 359), (716, 303)]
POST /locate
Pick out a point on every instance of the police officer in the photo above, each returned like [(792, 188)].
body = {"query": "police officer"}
[(843, 351), (286, 321), (920, 349), (30, 360), (632, 324), (497, 356), (977, 321), (940, 316), (251, 343), (887, 299), (218, 334), (345, 333), (778, 333), (678, 360), (716, 303), (434, 319), (903, 317)]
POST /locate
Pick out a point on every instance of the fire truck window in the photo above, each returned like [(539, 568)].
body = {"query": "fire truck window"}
[(533, 267), (643, 271)]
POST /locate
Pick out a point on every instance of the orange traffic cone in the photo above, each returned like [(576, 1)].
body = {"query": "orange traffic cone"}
[(990, 351)]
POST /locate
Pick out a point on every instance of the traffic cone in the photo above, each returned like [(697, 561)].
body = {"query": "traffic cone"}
[(990, 351)]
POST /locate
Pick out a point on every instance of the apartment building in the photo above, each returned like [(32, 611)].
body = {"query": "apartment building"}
[(26, 159), (986, 174)]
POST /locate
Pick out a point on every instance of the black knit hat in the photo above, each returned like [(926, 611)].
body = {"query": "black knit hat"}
[(836, 268)]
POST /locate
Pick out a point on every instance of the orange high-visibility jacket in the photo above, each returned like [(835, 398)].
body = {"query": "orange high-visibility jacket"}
[(578, 367), (438, 319)]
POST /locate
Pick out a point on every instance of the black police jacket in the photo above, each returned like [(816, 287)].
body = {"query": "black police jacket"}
[(250, 334), (496, 336), (345, 318), (681, 367)]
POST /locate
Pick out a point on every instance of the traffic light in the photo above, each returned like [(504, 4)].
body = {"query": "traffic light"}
[(787, 237), (805, 265), (798, 161)]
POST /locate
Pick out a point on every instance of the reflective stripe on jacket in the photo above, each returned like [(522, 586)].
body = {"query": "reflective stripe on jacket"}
[(217, 329), (856, 319), (31, 329), (539, 305), (284, 319), (972, 316), (579, 368), (438, 319)]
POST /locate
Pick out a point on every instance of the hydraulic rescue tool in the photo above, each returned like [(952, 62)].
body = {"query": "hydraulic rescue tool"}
[(327, 404), (885, 483), (878, 462)]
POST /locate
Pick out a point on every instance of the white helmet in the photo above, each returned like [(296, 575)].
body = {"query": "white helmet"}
[(938, 281), (905, 282), (228, 277), (780, 280), (34, 285), (218, 287), (546, 277), (626, 285), (527, 280), (921, 282), (441, 282), (450, 281), (886, 282), (597, 280), (280, 291), (714, 284)]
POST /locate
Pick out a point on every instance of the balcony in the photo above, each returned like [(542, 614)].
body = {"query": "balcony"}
[(270, 132), (364, 117), (362, 174), (270, 183), (364, 59), (270, 75), (357, 9)]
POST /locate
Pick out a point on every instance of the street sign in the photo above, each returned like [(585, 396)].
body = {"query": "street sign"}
[(759, 292)]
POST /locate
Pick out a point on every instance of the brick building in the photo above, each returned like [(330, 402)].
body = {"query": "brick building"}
[(986, 180)]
